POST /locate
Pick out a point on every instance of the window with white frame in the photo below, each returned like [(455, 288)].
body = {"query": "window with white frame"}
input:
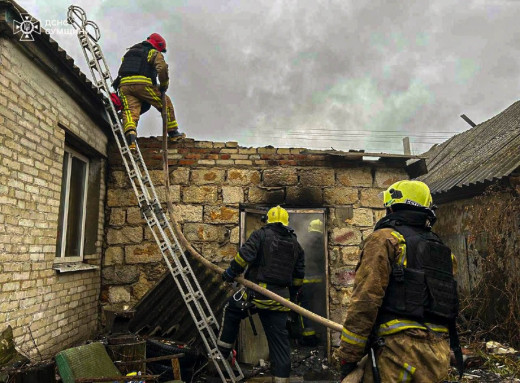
[(73, 202)]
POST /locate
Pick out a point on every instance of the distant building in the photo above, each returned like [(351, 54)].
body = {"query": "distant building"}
[(460, 170)]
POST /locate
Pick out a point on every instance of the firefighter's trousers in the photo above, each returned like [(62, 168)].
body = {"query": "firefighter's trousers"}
[(276, 333), (413, 355), (311, 299), (133, 95)]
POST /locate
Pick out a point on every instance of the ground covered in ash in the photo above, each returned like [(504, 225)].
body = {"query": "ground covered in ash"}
[(310, 363)]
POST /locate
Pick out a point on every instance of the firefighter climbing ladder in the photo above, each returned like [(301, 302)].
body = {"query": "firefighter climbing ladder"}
[(189, 288)]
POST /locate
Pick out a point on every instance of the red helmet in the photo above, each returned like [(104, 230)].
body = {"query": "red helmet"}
[(157, 41)]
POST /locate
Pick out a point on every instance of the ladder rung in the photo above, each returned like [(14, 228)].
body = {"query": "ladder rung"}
[(175, 271), (153, 213), (164, 246), (201, 325)]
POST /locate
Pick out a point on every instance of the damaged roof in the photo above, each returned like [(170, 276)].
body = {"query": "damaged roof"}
[(487, 152)]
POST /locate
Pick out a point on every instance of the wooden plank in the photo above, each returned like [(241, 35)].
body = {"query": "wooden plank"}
[(269, 379), (116, 379), (252, 348), (176, 367), (155, 359), (358, 155)]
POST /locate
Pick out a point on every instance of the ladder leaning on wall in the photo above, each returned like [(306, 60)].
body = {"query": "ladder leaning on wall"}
[(189, 288)]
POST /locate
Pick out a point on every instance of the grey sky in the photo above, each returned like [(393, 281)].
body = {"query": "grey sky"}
[(318, 74)]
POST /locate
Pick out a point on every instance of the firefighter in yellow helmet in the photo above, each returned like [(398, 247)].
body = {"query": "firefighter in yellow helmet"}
[(404, 302), (272, 258), (310, 296), (138, 88)]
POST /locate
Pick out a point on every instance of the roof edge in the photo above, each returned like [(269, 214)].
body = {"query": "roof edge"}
[(46, 53)]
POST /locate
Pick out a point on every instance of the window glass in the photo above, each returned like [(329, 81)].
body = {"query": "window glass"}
[(76, 208), (71, 225)]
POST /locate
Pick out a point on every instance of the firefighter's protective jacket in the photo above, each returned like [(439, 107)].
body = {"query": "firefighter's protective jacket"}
[(380, 252), (141, 64), (274, 259)]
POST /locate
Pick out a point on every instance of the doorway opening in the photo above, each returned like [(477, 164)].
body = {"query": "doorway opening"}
[(309, 225)]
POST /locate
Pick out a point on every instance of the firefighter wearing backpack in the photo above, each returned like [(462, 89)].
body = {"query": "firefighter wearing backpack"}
[(138, 88), (272, 258), (404, 302)]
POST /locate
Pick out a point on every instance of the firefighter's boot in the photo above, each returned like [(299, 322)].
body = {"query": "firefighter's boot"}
[(131, 139), (281, 380), (174, 135)]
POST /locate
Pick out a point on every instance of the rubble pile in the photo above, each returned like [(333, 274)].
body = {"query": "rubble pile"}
[(490, 362), (312, 364)]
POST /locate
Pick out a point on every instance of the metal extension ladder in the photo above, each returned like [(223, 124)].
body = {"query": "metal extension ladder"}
[(89, 35)]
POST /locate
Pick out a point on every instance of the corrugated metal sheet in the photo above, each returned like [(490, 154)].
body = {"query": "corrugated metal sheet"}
[(163, 313), (488, 151)]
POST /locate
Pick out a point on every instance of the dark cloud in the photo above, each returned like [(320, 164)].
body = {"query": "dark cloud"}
[(321, 74)]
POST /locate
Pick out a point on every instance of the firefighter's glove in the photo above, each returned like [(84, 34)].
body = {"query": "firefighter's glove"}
[(294, 293), (346, 368), (228, 275)]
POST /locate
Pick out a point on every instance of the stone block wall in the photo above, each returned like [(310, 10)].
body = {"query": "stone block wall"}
[(457, 225), (209, 180), (56, 310)]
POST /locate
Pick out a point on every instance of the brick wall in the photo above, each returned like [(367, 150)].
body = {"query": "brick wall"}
[(56, 310), (208, 182)]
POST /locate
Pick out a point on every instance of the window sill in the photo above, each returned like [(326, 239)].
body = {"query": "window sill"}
[(73, 267)]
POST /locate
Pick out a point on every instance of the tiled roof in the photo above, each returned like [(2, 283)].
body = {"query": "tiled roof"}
[(488, 151)]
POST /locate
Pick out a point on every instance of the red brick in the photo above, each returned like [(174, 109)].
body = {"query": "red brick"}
[(187, 162)]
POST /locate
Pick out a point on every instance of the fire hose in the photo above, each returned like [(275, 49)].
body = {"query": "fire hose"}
[(246, 283)]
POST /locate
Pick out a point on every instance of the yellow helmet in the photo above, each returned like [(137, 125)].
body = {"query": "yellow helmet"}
[(413, 193), (278, 214), (315, 225)]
